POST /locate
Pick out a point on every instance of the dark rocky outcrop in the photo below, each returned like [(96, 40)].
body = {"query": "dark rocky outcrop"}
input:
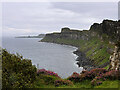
[(83, 61), (108, 27), (70, 34)]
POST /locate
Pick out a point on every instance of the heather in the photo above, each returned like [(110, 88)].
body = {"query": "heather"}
[(47, 72), (95, 76), (18, 72)]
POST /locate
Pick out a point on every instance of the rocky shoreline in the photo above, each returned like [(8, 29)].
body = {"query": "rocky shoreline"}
[(83, 61)]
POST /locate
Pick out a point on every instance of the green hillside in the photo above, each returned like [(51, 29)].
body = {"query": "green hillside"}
[(20, 73), (97, 43)]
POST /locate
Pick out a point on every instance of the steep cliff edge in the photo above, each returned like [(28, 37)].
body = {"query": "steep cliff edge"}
[(97, 43)]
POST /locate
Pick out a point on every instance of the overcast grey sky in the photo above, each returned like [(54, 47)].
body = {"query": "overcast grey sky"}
[(20, 18)]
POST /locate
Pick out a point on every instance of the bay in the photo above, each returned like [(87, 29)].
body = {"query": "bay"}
[(54, 57)]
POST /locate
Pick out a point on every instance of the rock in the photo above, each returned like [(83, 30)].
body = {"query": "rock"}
[(115, 58), (108, 27)]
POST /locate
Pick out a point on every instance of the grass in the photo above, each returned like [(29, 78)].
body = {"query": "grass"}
[(41, 80), (95, 49), (84, 84), (109, 84), (42, 83), (45, 81)]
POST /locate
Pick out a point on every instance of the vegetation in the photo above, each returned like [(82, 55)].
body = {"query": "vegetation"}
[(96, 78), (16, 71), (20, 73)]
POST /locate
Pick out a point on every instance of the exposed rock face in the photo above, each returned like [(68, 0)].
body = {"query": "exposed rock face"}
[(70, 34), (115, 59), (108, 27), (83, 61)]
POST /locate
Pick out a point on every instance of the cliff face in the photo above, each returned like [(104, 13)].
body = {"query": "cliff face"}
[(70, 34), (108, 27), (97, 43)]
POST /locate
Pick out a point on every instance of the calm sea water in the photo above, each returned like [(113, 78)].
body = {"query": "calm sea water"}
[(54, 57)]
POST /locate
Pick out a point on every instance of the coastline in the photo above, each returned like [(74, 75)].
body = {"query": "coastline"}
[(82, 60)]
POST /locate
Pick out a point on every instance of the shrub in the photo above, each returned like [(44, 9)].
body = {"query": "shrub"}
[(76, 77), (112, 75), (87, 75), (62, 82), (16, 71), (94, 72), (95, 82), (47, 72), (48, 79)]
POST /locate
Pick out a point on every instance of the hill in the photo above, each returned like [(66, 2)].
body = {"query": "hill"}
[(18, 72), (95, 44)]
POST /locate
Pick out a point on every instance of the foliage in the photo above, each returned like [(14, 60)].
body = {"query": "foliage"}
[(96, 76), (75, 77), (88, 75), (95, 82), (109, 84), (47, 72), (63, 82), (44, 80), (20, 73), (94, 72), (16, 71), (112, 75)]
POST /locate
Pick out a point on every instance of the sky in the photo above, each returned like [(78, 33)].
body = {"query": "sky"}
[(33, 18)]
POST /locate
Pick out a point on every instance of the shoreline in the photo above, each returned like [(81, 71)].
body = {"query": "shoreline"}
[(82, 60)]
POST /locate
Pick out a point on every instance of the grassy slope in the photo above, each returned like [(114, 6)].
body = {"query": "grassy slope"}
[(95, 49), (47, 81)]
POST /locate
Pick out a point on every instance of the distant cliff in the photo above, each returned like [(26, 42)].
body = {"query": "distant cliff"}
[(97, 43), (38, 36)]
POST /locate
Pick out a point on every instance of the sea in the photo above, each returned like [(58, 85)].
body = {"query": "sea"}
[(49, 56)]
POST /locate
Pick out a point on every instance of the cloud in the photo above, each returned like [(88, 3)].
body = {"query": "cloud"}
[(103, 9), (44, 17), (59, 0)]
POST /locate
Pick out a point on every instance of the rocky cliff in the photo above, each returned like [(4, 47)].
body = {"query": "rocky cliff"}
[(108, 27), (97, 43), (115, 58)]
